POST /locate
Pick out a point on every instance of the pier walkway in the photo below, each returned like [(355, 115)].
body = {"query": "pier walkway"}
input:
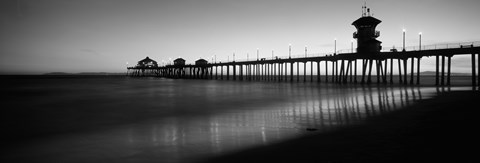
[(342, 67)]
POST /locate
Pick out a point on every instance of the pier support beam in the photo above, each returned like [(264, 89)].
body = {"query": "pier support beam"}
[(348, 71), (336, 70), (216, 72), (378, 70), (399, 71), (298, 71), (369, 78), (281, 71), (272, 71), (355, 72), (326, 71), (385, 71), (318, 72), (262, 74), (418, 70), (234, 72), (364, 69), (311, 71), (333, 71), (228, 72), (411, 71), (391, 70), (265, 71), (269, 72), (256, 72), (342, 72), (449, 66), (304, 71), (248, 74), (405, 61), (437, 70), (291, 71), (240, 72), (474, 83), (442, 82)]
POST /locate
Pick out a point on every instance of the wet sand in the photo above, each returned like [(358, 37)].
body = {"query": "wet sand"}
[(443, 129)]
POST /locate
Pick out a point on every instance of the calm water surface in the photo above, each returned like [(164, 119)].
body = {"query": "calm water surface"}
[(120, 119)]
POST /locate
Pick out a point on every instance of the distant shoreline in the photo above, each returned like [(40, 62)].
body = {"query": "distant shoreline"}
[(64, 74), (84, 73)]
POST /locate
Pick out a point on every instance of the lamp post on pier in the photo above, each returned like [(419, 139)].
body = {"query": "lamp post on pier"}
[(257, 54), (289, 51), (418, 59), (305, 51), (420, 41), (335, 47), (403, 40), (351, 46)]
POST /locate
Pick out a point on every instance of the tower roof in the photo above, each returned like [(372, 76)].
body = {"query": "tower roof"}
[(366, 20), (147, 60), (201, 60), (179, 59)]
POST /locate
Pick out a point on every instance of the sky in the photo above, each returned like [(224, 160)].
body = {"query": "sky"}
[(41, 36)]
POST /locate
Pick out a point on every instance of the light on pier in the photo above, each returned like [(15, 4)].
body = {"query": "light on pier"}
[(289, 51), (335, 47), (420, 41), (351, 46), (404, 39), (305, 50), (257, 54)]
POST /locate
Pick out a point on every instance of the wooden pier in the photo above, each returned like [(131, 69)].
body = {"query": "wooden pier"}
[(343, 68), (368, 55)]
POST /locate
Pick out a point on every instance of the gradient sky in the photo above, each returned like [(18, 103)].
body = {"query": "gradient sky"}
[(39, 36)]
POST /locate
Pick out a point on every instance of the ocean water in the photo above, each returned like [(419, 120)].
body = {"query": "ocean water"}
[(124, 119)]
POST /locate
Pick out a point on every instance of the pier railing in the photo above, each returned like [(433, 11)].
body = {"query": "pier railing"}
[(384, 49), (435, 46)]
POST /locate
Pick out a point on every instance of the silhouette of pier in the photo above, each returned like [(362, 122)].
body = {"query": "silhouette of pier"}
[(338, 67)]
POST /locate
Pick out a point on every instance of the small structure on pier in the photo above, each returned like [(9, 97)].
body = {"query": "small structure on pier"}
[(201, 62), (179, 62), (147, 62), (366, 35)]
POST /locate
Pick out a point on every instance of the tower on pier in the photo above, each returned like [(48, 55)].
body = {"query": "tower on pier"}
[(366, 35)]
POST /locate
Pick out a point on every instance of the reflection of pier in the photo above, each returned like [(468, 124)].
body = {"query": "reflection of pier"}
[(369, 57), (326, 112), (309, 108)]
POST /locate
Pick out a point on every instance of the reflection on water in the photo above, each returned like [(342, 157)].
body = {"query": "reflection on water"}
[(287, 111)]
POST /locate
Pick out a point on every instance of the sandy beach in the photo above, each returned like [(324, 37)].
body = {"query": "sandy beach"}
[(441, 129)]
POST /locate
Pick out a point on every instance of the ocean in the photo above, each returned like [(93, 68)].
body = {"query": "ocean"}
[(127, 119)]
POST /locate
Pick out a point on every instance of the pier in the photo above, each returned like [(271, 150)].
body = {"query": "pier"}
[(355, 66)]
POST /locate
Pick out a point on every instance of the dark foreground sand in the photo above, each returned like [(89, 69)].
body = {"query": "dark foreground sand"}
[(443, 129)]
